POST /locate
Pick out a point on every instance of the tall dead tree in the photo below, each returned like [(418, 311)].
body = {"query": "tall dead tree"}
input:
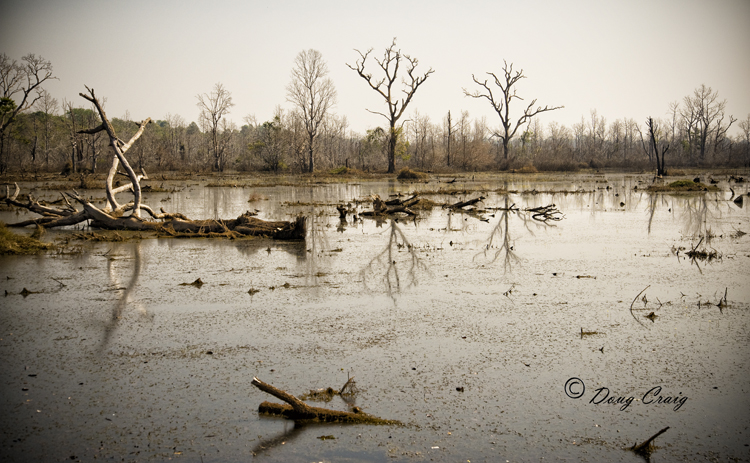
[(703, 114), (313, 93), (449, 128), (501, 103), (653, 133), (390, 64), (119, 147), (213, 107)]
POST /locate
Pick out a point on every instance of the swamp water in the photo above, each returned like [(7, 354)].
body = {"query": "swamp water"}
[(476, 332)]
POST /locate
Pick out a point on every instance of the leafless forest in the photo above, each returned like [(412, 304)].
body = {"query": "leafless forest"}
[(41, 133)]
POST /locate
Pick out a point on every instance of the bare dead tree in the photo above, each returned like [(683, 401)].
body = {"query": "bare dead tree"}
[(213, 107), (390, 64), (501, 104), (653, 132), (313, 93), (20, 88), (48, 106), (703, 112), (449, 134), (119, 147)]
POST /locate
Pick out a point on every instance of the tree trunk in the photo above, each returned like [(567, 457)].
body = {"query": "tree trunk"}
[(311, 165), (392, 141)]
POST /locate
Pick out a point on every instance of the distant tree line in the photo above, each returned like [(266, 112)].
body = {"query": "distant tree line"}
[(41, 134)]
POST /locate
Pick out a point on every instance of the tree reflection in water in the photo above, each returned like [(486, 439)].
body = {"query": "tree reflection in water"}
[(499, 244), (316, 245), (119, 308), (397, 272)]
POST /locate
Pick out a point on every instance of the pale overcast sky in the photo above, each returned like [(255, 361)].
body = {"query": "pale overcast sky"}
[(625, 59)]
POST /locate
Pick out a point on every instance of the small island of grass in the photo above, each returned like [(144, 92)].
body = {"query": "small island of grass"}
[(12, 243), (683, 185)]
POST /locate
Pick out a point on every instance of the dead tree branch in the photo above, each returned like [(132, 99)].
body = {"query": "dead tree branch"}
[(462, 204), (298, 410), (645, 446)]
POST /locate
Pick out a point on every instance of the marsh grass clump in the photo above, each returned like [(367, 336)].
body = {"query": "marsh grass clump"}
[(110, 237), (424, 204), (527, 169), (683, 185), (14, 244), (224, 184), (347, 171), (89, 182), (408, 174)]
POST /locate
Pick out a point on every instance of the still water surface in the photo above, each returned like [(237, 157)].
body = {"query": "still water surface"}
[(465, 327)]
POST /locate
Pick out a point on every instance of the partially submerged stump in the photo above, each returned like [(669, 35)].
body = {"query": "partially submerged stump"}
[(296, 409)]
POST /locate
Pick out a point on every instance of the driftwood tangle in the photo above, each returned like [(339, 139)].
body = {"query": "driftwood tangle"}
[(112, 215), (382, 208), (296, 409)]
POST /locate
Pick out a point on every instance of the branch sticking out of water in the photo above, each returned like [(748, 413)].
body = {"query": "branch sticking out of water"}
[(588, 333), (631, 305), (298, 410), (723, 301), (645, 446)]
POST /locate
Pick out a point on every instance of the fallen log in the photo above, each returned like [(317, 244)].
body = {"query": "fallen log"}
[(296, 409), (171, 224), (462, 204), (403, 202), (381, 209)]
